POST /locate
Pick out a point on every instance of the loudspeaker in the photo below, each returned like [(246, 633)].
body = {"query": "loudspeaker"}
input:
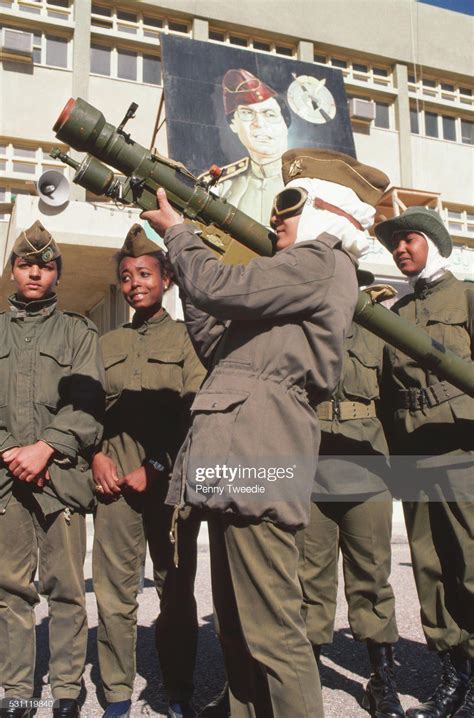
[(53, 188)]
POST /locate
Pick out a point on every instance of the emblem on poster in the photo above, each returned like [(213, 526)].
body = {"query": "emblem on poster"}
[(309, 98)]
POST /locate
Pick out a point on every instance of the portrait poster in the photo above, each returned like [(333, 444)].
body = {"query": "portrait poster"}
[(241, 110)]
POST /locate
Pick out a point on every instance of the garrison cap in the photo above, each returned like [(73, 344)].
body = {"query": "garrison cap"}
[(240, 87), (367, 182), (36, 245), (416, 219), (137, 243)]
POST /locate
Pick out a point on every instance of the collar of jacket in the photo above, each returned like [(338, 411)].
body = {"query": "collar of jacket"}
[(40, 307), (142, 326), (423, 288)]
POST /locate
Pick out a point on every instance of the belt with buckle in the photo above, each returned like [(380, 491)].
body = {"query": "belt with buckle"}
[(415, 399), (345, 410)]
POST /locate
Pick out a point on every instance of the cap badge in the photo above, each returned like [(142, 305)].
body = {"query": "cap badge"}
[(47, 255), (295, 168)]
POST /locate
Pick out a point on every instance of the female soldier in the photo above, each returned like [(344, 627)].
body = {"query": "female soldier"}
[(272, 334), (152, 374), (433, 425), (50, 403), (351, 510)]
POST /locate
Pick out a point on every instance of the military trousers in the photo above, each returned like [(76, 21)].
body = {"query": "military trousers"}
[(362, 532), (441, 538), (56, 544), (271, 669), (122, 530)]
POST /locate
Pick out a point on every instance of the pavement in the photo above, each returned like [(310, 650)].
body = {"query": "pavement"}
[(345, 668)]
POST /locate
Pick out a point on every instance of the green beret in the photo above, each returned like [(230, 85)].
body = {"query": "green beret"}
[(368, 183), (416, 219), (36, 245), (137, 243)]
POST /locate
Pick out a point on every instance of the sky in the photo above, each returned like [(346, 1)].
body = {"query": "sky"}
[(464, 6)]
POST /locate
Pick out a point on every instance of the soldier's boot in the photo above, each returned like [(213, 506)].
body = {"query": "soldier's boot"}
[(466, 709), (219, 707), (15, 708), (118, 709), (66, 708), (449, 694), (381, 698)]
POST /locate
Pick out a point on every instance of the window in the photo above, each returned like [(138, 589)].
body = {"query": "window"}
[(467, 132), (449, 128), (414, 122), (460, 221), (382, 115), (357, 67), (56, 51), (261, 45), (26, 160), (216, 36), (101, 59), (431, 124), (144, 26), (151, 70), (320, 59), (59, 9), (442, 89), (338, 63), (126, 64), (236, 40)]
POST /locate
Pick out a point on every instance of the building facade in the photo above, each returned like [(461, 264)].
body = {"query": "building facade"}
[(408, 71)]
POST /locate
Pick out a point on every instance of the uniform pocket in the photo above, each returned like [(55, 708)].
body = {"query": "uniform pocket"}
[(214, 417), (163, 370), (360, 378), (4, 375), (449, 328), (114, 374), (54, 363)]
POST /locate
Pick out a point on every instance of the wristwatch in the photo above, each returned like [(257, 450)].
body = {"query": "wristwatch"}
[(157, 465)]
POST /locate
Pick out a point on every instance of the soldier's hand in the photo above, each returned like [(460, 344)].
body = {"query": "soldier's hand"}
[(29, 462), (136, 480), (104, 473), (41, 480), (164, 217)]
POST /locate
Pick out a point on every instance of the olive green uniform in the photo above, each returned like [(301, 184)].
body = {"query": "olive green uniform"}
[(152, 373), (352, 508), (434, 423), (50, 390)]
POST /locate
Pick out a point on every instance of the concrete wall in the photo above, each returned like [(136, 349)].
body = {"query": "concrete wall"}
[(32, 99), (444, 167), (113, 98), (380, 148), (403, 30)]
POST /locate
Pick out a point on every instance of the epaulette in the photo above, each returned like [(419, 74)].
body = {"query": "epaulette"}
[(229, 171), (88, 322)]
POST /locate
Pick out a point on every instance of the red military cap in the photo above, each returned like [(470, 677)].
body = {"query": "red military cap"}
[(240, 87)]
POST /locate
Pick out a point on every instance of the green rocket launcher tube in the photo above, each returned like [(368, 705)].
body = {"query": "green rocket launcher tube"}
[(84, 128)]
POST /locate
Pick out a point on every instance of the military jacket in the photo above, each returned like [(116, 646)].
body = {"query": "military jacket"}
[(441, 309), (50, 389), (271, 333), (151, 375), (359, 444)]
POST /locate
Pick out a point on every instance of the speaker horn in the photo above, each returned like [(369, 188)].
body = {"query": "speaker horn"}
[(53, 188)]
